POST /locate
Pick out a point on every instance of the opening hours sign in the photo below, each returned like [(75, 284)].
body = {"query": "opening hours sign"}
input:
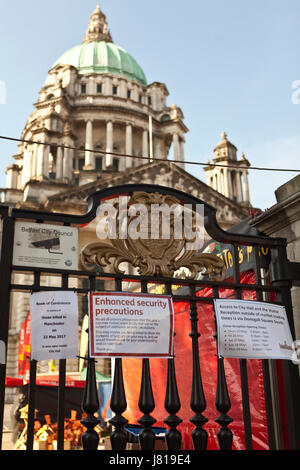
[(130, 325), (253, 330)]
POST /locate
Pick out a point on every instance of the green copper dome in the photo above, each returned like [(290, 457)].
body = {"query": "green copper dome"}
[(103, 57)]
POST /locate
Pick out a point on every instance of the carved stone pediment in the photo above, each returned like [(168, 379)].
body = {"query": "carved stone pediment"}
[(162, 174)]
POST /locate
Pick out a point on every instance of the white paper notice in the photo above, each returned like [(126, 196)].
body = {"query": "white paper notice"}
[(42, 245), (54, 325), (253, 330), (131, 325)]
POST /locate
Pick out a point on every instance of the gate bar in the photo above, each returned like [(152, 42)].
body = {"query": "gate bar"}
[(265, 362), (243, 362), (146, 402), (222, 403), (197, 400), (61, 389), (5, 274), (118, 403), (172, 403), (31, 404), (290, 371)]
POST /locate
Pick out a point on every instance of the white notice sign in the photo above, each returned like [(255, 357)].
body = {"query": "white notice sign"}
[(253, 330), (131, 325), (47, 246), (54, 325)]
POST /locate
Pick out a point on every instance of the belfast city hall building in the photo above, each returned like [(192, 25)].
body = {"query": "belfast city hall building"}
[(98, 123)]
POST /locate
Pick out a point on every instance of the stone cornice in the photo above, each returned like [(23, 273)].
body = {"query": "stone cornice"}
[(279, 216)]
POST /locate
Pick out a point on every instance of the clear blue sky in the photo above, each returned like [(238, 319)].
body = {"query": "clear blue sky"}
[(228, 64)]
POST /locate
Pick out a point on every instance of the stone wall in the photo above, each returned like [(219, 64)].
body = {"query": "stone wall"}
[(283, 220)]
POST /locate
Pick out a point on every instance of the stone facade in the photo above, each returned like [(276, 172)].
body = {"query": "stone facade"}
[(283, 220)]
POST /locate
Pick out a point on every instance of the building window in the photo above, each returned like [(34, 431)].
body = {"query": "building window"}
[(149, 100), (115, 90), (115, 164), (140, 98), (99, 163), (128, 94), (83, 89), (81, 162), (78, 163), (99, 88)]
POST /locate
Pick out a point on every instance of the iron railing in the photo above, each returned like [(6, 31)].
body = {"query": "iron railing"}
[(279, 286)]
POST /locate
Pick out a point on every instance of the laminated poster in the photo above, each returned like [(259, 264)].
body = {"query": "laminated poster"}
[(253, 330), (54, 325), (131, 325)]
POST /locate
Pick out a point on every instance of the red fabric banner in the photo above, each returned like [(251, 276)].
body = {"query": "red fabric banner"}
[(208, 362)]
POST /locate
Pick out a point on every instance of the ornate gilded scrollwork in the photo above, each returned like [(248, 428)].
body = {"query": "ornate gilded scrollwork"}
[(152, 256)]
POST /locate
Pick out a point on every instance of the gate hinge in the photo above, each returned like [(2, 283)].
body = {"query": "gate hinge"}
[(285, 271)]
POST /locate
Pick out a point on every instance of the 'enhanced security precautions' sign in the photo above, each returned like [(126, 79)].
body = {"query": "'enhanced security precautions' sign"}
[(253, 330), (131, 325)]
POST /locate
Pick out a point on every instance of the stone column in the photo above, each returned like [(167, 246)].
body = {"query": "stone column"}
[(43, 161), (222, 188), (230, 190), (41, 155), (109, 143), (59, 163), (70, 166), (214, 185), (181, 148), (145, 145), (12, 177), (157, 147), (67, 164), (46, 152), (175, 147), (34, 160), (123, 89), (246, 186), (128, 146), (89, 145), (226, 182), (219, 182), (239, 193), (26, 173)]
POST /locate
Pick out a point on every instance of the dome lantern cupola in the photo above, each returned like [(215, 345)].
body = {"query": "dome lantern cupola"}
[(97, 28)]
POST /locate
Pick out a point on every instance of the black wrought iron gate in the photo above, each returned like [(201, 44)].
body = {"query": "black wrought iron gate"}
[(275, 287)]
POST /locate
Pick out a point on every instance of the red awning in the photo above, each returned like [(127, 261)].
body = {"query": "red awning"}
[(45, 380)]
